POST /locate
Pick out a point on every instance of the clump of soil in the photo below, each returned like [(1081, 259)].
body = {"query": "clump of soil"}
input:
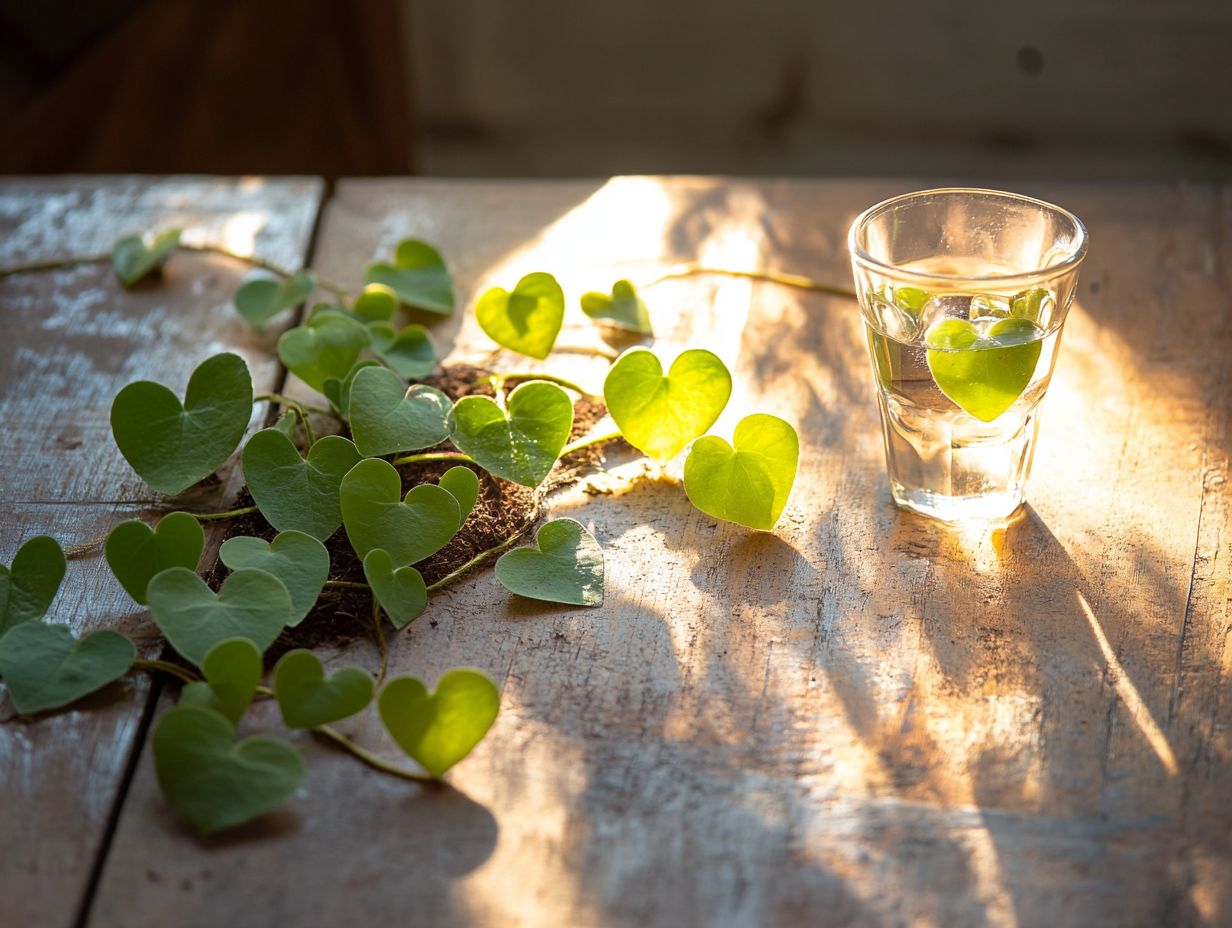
[(503, 509)]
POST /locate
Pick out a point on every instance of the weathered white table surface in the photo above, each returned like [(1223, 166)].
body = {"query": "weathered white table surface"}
[(863, 719)]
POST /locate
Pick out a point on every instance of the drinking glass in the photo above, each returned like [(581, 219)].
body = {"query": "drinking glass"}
[(964, 294)]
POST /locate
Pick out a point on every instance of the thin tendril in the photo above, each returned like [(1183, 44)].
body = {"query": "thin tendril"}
[(775, 277), (167, 667), (228, 514), (586, 442), (380, 640), (372, 760)]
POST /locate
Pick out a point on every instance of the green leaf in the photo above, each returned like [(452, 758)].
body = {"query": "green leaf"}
[(132, 259), (983, 374), (565, 565), (410, 528), (259, 299), (307, 698), (135, 552), (297, 559), (376, 303), (409, 352), (439, 729), (624, 308), (214, 782), (401, 593), (522, 445), (749, 483), (387, 418), (295, 494), (232, 672), (250, 604), (528, 319), (44, 667), (1029, 304), (462, 482), (324, 348), (338, 391), (418, 276), (287, 424), (660, 414), (28, 588), (172, 446)]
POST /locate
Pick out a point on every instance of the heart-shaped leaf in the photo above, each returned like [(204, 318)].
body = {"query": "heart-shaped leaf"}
[(983, 373), (232, 672), (172, 446), (295, 494), (387, 418), (660, 414), (410, 529), (325, 347), (409, 352), (132, 259), (749, 483), (214, 782), (401, 593), (437, 730), (464, 485), (287, 424), (307, 698), (260, 298), (28, 588), (418, 276), (297, 559), (45, 667), (565, 565), (376, 303), (338, 391), (250, 604), (135, 552), (624, 308), (521, 445), (528, 319)]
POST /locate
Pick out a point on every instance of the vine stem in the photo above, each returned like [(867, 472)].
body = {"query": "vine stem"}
[(229, 514), (83, 547), (265, 265), (53, 264), (287, 401), (380, 640), (301, 412), (551, 378), (775, 277), (586, 442), (482, 556), (372, 760), (166, 667), (457, 456), (347, 584)]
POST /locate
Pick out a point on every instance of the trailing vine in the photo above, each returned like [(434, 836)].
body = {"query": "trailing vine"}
[(369, 365)]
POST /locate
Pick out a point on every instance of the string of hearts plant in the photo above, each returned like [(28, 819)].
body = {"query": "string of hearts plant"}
[(357, 354)]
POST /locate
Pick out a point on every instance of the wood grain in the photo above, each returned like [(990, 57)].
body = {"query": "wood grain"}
[(73, 338), (863, 719)]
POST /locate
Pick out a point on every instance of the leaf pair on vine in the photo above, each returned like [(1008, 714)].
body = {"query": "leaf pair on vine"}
[(216, 782), (43, 665), (660, 414)]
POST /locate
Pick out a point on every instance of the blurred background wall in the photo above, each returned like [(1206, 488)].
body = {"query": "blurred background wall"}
[(1068, 89)]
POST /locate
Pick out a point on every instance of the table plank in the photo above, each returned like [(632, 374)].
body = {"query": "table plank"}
[(864, 719), (74, 337)]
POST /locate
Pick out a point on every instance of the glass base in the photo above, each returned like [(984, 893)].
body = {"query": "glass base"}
[(989, 507)]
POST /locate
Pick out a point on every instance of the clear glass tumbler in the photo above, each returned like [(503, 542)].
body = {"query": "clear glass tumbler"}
[(964, 293)]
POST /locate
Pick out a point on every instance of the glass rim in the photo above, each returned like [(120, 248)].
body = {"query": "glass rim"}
[(867, 261)]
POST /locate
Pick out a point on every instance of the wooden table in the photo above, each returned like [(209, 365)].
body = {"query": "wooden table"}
[(863, 719)]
